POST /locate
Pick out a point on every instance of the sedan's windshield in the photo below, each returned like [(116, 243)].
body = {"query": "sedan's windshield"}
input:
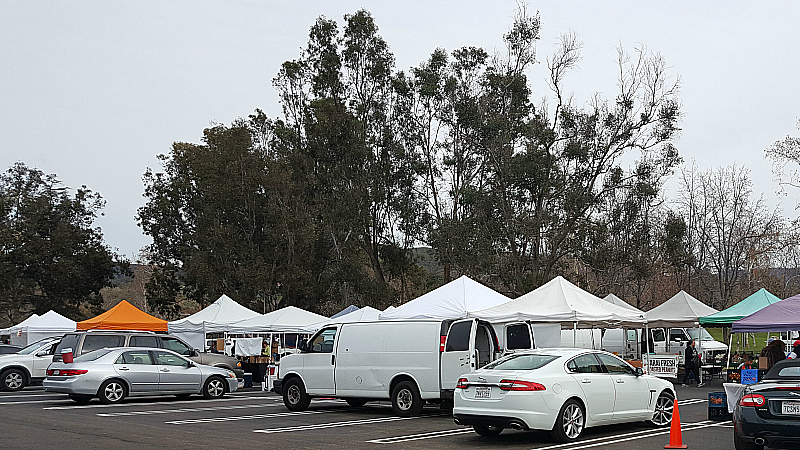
[(33, 347), (693, 333), (91, 356), (521, 362)]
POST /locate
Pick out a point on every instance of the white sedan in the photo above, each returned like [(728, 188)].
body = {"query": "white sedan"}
[(560, 389)]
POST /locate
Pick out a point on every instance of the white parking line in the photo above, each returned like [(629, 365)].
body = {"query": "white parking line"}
[(184, 410), (347, 423), (630, 436), (691, 401), (162, 403), (417, 437), (256, 416)]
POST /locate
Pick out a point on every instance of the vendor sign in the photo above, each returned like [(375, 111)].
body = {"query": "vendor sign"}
[(660, 365)]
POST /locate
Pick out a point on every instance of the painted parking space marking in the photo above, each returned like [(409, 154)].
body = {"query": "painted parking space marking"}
[(346, 423), (631, 436), (421, 436), (160, 403), (185, 410), (252, 417), (691, 401)]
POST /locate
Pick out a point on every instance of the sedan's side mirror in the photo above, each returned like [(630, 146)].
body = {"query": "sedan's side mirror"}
[(192, 364), (44, 353), (639, 372)]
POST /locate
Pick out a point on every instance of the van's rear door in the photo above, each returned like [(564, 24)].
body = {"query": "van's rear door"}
[(458, 356)]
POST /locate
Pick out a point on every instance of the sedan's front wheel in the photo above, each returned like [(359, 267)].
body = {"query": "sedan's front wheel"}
[(662, 416), (570, 422), (13, 380), (214, 388)]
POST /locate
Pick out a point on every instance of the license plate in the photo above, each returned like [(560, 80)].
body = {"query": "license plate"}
[(790, 408), (483, 392)]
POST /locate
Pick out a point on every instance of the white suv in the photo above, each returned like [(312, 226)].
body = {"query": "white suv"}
[(20, 369)]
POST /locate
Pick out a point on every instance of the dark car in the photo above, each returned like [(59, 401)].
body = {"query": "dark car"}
[(7, 349), (768, 413), (82, 342)]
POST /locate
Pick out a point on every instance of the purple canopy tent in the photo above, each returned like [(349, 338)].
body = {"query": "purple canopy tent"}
[(780, 316)]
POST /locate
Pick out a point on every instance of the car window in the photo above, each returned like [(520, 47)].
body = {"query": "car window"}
[(91, 356), (68, 341), (169, 359), (585, 364), (615, 365), (458, 337), (521, 362), (93, 342), (518, 337), (134, 357), (658, 335), (176, 346), (323, 342), (31, 348), (144, 341)]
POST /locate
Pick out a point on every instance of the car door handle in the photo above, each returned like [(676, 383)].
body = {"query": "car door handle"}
[(620, 380), (586, 381), (124, 368), (165, 370)]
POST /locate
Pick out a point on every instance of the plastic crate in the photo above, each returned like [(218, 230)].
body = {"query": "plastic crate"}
[(718, 406)]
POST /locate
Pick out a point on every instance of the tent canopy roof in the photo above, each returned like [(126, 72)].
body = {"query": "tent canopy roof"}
[(559, 301), (744, 308), (285, 320), (779, 316), (14, 328), (216, 317), (124, 316), (365, 314), (347, 310), (451, 301), (611, 298), (49, 321), (681, 311)]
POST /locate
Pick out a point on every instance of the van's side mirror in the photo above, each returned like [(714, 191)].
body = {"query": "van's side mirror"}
[(303, 346)]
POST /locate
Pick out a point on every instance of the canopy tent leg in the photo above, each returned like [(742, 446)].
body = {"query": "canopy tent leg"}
[(730, 343), (574, 334), (700, 352)]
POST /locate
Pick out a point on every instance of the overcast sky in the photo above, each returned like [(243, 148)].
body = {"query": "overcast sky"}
[(93, 91)]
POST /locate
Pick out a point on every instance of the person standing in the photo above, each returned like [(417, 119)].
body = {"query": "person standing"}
[(690, 364)]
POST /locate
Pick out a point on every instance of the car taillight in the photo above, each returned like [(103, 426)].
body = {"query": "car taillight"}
[(442, 340), (788, 388), (752, 400), (519, 385), (65, 372), (462, 383)]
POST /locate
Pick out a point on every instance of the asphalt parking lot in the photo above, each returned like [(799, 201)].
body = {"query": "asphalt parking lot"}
[(250, 419)]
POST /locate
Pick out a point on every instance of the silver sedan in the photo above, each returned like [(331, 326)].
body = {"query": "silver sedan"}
[(113, 374)]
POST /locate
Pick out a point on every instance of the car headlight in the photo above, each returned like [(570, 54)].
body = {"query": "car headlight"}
[(231, 374)]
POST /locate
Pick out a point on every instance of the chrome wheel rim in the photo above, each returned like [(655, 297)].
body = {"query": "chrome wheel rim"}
[(14, 380), (404, 400), (293, 394), (572, 421), (663, 412), (215, 388), (114, 392)]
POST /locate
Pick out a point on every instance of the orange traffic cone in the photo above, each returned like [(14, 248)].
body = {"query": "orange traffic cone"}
[(675, 440)]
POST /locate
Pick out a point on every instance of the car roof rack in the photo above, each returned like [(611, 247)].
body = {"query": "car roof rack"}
[(95, 330)]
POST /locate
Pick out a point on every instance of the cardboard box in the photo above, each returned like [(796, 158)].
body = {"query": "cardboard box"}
[(221, 345), (762, 362)]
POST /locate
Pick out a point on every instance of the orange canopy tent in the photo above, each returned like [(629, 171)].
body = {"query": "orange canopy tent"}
[(124, 316)]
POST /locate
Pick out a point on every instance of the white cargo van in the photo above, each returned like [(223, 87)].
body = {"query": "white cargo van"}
[(407, 361)]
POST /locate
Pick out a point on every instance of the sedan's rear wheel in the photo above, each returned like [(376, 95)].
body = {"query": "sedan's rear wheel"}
[(662, 416), (13, 380), (570, 422), (112, 391), (487, 430), (214, 388)]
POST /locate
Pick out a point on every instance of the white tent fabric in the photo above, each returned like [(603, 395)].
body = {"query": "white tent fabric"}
[(611, 298), (451, 301), (365, 314), (682, 310), (347, 310), (285, 320), (214, 318), (48, 324), (559, 301), (30, 319)]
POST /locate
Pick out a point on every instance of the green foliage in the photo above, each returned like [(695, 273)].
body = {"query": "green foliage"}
[(51, 256)]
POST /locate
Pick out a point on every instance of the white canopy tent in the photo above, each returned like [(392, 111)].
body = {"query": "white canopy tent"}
[(559, 301), (32, 329), (214, 318), (365, 314), (285, 320), (454, 300), (611, 298), (29, 319), (681, 311)]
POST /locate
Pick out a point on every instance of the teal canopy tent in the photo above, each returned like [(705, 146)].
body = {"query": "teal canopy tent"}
[(744, 308)]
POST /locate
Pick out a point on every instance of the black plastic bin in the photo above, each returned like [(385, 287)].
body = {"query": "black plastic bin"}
[(718, 406)]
